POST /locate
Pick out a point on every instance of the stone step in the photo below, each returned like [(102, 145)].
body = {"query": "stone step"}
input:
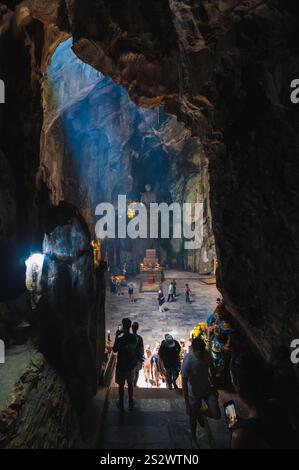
[(158, 421), (155, 423), (151, 393)]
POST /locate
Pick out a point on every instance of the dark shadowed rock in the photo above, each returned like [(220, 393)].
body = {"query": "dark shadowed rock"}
[(38, 414), (67, 312)]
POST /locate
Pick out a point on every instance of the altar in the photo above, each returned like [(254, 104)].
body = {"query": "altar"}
[(150, 272)]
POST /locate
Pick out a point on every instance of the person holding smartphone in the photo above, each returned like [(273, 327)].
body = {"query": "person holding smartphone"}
[(266, 426)]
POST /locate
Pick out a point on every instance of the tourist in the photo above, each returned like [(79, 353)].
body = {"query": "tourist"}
[(155, 368), (188, 294), (169, 360), (198, 376), (124, 269), (184, 349), (131, 293), (126, 348), (147, 365), (112, 285), (266, 427), (161, 301), (140, 352), (170, 292), (174, 288), (118, 287)]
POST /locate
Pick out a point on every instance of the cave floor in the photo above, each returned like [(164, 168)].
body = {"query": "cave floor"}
[(179, 318), (159, 420)]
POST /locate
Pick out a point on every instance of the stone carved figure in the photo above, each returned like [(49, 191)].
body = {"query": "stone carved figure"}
[(148, 197)]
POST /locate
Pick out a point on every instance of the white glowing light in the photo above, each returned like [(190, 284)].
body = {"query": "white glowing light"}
[(34, 268), (36, 259)]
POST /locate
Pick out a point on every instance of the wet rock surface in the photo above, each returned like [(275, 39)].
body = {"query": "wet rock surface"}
[(37, 413)]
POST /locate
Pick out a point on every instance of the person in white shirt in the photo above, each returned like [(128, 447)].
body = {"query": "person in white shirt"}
[(170, 292)]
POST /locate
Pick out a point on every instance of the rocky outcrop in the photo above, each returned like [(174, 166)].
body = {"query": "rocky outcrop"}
[(38, 413), (26, 43), (69, 314), (20, 128)]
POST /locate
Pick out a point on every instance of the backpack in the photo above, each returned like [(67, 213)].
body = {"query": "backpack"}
[(129, 353)]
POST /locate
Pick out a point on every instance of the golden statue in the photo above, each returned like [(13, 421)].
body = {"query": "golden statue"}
[(97, 252)]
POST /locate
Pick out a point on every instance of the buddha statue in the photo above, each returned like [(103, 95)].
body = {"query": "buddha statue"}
[(148, 197)]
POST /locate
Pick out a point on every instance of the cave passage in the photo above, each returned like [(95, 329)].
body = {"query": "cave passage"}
[(181, 105), (97, 144)]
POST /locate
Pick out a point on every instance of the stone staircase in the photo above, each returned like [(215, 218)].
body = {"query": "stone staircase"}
[(158, 421)]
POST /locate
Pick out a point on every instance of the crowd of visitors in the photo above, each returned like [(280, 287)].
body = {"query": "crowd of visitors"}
[(116, 287), (195, 366), (172, 294)]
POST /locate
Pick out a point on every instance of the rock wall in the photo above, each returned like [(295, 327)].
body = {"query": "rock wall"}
[(38, 414), (25, 45), (20, 127), (69, 315)]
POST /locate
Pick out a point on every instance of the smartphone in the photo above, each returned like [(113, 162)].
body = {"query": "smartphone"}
[(120, 327), (230, 414)]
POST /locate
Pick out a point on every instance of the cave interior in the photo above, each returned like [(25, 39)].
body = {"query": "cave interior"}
[(185, 100)]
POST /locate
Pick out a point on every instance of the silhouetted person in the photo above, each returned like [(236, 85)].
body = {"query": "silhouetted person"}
[(118, 287), (266, 426), (140, 352), (147, 365), (198, 374), (155, 366), (112, 285), (161, 300), (131, 293), (187, 294), (174, 287), (170, 293), (126, 348), (169, 358)]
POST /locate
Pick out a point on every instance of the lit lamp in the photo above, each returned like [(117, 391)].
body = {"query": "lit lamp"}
[(131, 211), (34, 267)]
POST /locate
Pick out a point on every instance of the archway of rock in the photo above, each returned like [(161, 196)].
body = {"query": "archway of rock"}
[(97, 145), (218, 69)]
